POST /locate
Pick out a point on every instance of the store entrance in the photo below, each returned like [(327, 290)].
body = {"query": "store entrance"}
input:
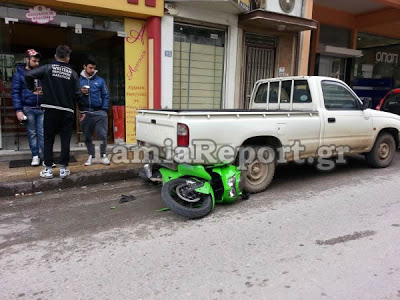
[(16, 38), (259, 61)]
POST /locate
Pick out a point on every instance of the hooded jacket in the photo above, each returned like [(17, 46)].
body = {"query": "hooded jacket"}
[(20, 93), (60, 86), (98, 97)]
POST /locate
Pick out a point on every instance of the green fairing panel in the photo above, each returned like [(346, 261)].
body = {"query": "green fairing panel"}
[(194, 170), (185, 170), (168, 174), (227, 172), (207, 189)]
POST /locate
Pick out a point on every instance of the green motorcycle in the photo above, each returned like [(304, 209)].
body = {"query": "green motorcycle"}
[(193, 190)]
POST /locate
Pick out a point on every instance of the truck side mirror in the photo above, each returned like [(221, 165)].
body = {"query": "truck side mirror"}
[(366, 104)]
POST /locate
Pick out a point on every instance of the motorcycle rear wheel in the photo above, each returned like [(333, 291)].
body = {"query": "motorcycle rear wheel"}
[(192, 206)]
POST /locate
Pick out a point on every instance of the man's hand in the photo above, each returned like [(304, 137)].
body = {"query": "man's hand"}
[(38, 93), (20, 116), (81, 117), (85, 91)]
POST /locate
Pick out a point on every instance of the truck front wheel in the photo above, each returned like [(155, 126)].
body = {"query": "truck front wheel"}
[(383, 151), (258, 175)]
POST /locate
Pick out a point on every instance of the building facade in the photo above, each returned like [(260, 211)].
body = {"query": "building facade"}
[(214, 51), (358, 43), (178, 55), (274, 40), (124, 36)]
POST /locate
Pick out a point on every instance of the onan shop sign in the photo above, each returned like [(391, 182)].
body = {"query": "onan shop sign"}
[(41, 14), (385, 57)]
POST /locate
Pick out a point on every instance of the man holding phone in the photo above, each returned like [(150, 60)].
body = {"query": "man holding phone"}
[(61, 92), (27, 104), (97, 102)]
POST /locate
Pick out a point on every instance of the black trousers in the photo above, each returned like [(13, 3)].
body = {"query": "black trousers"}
[(57, 121)]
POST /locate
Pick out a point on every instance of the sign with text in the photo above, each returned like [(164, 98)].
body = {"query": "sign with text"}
[(135, 74), (245, 4), (151, 3), (386, 57), (41, 14)]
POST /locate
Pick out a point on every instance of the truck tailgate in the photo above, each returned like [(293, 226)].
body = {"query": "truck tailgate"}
[(155, 129)]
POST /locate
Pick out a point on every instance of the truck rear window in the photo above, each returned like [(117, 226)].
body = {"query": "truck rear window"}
[(301, 92)]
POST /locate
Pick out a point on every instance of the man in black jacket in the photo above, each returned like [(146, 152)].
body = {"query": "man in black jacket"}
[(60, 84)]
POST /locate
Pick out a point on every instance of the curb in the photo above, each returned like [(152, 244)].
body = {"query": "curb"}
[(81, 179)]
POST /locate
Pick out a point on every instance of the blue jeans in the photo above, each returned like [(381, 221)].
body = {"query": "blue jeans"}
[(34, 129)]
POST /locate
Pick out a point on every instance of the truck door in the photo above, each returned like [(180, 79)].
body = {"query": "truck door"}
[(345, 123)]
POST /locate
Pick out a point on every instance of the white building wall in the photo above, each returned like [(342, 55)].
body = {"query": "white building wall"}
[(167, 61)]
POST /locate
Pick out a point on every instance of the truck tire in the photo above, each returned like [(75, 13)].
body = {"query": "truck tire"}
[(382, 152), (258, 175), (175, 202)]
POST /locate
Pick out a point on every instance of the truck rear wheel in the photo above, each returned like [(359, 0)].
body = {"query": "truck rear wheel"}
[(382, 152), (258, 175)]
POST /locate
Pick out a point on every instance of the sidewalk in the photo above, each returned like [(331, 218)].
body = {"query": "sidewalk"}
[(14, 181)]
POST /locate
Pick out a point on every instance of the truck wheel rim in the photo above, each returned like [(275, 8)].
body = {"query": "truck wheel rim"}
[(257, 172), (384, 151)]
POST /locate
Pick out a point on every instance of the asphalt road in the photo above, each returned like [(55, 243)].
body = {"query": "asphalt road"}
[(311, 235)]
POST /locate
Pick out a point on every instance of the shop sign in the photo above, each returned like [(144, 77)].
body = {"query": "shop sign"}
[(282, 71), (135, 74), (151, 3), (245, 4), (390, 58), (41, 14)]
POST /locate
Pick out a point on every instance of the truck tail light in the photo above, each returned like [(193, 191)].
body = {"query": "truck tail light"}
[(183, 135)]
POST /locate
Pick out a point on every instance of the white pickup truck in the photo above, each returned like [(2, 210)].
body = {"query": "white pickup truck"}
[(314, 111)]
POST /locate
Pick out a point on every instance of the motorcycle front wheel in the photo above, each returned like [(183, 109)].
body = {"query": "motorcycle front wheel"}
[(191, 205)]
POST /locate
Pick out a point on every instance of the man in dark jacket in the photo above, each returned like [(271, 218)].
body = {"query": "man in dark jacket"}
[(60, 94), (27, 104), (97, 102)]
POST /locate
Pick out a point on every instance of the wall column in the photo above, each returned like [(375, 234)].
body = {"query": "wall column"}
[(154, 62)]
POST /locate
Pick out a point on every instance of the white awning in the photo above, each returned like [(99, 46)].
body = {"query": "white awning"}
[(339, 51)]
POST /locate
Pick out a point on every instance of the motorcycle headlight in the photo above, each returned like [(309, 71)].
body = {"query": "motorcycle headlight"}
[(232, 181), (232, 193)]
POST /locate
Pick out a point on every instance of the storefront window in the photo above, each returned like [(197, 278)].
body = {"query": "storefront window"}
[(98, 38), (198, 67), (378, 70), (331, 66)]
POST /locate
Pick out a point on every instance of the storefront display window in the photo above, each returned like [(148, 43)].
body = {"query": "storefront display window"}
[(97, 36), (378, 70), (198, 67)]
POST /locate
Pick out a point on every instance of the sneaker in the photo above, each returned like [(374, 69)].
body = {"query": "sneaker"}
[(89, 161), (35, 161), (53, 165), (105, 160), (46, 173), (64, 173)]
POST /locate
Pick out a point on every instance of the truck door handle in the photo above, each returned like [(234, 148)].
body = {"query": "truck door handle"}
[(331, 120)]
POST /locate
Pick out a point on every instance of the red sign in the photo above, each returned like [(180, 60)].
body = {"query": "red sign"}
[(41, 14), (151, 3)]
